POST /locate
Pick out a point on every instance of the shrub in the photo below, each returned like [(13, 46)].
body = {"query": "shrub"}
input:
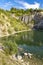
[(10, 47)]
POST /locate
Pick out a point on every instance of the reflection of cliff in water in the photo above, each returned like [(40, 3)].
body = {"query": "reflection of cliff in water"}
[(30, 38)]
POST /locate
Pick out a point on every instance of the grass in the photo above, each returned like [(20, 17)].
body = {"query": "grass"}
[(6, 60), (15, 25)]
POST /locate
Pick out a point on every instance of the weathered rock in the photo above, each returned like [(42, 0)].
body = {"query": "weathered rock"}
[(37, 17), (19, 57), (14, 57), (30, 55), (25, 54), (26, 18)]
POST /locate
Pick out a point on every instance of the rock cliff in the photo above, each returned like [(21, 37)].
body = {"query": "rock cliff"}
[(37, 18)]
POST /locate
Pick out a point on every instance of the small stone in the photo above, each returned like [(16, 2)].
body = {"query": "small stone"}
[(19, 57), (30, 55), (21, 60), (14, 57), (25, 54)]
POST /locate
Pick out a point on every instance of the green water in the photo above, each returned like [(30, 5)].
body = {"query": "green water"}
[(30, 38), (31, 42)]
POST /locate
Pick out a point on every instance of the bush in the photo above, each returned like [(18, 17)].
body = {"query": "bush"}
[(10, 47)]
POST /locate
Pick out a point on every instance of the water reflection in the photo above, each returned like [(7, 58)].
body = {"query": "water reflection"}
[(33, 41), (30, 38)]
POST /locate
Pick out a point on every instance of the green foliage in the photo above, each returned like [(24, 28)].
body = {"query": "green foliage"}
[(19, 12), (10, 47), (15, 24)]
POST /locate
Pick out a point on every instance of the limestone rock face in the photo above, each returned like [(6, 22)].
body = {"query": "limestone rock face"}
[(38, 21), (37, 17), (26, 18)]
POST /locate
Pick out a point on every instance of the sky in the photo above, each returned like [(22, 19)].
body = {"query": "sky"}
[(21, 4)]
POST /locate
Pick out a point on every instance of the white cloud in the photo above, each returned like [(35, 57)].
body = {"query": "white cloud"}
[(7, 4), (26, 5)]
